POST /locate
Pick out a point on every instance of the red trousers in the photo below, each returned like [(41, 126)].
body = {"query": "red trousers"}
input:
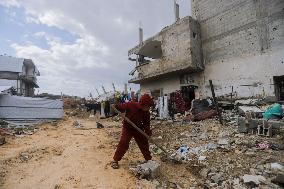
[(123, 144)]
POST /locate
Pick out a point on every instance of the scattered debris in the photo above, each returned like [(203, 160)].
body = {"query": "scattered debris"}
[(181, 155), (24, 156), (277, 166), (99, 125), (279, 179), (255, 110), (2, 140), (77, 124), (256, 179), (263, 145)]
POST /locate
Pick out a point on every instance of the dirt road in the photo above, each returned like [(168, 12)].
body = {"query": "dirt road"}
[(62, 157)]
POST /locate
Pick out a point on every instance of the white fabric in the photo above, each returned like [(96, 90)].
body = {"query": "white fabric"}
[(160, 107), (103, 110), (11, 64), (163, 107)]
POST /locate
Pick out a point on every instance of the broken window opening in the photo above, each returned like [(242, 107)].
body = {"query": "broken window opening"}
[(279, 87), (151, 50), (194, 35)]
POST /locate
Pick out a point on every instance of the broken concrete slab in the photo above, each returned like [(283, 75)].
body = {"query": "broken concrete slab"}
[(204, 172), (245, 125), (247, 102), (257, 111), (277, 167), (223, 141), (256, 179), (149, 170), (216, 178)]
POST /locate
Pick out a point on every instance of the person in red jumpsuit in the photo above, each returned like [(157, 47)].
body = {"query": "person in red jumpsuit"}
[(138, 113)]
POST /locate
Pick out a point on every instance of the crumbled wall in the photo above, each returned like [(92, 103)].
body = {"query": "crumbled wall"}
[(243, 44), (181, 49)]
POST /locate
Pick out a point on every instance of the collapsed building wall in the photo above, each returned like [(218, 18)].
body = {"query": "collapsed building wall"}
[(243, 45), (177, 48)]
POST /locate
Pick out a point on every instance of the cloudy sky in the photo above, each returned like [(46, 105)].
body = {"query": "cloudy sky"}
[(80, 45)]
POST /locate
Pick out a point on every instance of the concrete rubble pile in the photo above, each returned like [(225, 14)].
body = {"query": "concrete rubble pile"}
[(220, 156)]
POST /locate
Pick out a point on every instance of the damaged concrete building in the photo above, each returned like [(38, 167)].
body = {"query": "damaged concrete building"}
[(239, 44), (18, 79), (18, 75)]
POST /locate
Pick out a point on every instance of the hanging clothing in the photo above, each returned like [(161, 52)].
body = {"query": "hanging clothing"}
[(107, 108), (165, 108), (103, 109)]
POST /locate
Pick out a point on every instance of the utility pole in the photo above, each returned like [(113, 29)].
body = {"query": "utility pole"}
[(104, 89)]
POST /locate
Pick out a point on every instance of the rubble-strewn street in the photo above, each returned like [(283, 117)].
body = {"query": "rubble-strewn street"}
[(63, 155), (127, 95)]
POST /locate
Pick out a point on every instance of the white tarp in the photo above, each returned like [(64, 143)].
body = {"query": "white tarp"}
[(11, 64), (16, 107)]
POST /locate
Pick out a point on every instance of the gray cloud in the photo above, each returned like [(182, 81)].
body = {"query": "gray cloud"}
[(106, 30)]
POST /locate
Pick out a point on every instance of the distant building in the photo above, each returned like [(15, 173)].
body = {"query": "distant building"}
[(18, 76), (238, 44)]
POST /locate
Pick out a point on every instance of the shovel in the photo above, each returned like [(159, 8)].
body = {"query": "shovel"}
[(142, 132)]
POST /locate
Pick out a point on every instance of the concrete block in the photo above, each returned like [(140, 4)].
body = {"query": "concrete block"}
[(256, 179), (149, 170)]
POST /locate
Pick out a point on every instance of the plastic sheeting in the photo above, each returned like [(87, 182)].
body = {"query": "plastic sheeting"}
[(26, 108)]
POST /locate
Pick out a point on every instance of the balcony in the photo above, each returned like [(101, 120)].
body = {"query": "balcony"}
[(161, 67), (177, 48)]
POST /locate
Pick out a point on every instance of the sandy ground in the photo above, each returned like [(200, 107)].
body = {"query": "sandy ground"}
[(62, 157)]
